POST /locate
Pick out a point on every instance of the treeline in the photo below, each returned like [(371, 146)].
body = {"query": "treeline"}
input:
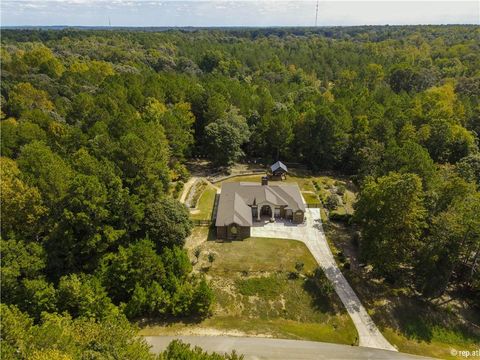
[(96, 127), (59, 337), (90, 225)]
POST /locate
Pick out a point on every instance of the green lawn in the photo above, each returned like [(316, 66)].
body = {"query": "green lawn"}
[(439, 346), (205, 204), (304, 182), (255, 294), (310, 198)]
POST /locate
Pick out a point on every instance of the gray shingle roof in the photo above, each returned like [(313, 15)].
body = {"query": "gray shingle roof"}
[(236, 197), (278, 165)]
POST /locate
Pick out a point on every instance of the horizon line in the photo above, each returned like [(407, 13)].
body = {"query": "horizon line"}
[(228, 26)]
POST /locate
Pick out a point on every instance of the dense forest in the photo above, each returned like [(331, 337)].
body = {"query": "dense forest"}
[(96, 127)]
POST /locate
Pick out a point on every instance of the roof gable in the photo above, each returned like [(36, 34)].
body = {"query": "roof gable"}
[(279, 165), (236, 200)]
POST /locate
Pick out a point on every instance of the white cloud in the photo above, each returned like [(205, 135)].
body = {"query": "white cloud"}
[(236, 12)]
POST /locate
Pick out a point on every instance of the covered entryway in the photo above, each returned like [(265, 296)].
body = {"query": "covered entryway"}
[(266, 210)]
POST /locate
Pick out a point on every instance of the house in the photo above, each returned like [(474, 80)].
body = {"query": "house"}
[(279, 170), (243, 203)]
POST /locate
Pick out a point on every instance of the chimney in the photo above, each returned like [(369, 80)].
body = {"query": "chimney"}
[(264, 180)]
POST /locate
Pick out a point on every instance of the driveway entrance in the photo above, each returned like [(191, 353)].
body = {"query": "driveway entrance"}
[(311, 234)]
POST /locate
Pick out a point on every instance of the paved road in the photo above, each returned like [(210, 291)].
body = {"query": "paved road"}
[(278, 349), (311, 233)]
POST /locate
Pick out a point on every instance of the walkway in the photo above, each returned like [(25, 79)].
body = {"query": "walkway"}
[(255, 348), (311, 233), (186, 190)]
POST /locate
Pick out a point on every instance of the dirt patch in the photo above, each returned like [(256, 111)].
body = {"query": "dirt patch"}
[(198, 236), (216, 332)]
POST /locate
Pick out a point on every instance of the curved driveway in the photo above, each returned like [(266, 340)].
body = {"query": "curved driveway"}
[(254, 348), (311, 234)]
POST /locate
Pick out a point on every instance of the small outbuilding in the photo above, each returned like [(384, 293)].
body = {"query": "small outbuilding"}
[(279, 170)]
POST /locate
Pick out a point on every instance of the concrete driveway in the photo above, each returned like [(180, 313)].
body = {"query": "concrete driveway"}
[(278, 349), (311, 234)]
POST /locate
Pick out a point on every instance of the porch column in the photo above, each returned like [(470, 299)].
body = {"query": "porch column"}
[(272, 209)]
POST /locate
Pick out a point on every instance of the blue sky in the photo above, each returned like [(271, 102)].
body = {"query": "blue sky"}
[(235, 12)]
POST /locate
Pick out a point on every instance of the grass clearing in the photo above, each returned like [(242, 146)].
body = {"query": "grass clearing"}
[(259, 255), (256, 295), (304, 182), (205, 204), (310, 198), (267, 287)]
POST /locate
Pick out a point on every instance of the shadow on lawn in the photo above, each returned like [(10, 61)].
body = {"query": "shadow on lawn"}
[(321, 291), (422, 321)]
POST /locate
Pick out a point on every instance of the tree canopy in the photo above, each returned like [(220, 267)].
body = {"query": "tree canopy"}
[(97, 126)]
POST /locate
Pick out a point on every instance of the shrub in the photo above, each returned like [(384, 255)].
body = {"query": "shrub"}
[(318, 281), (332, 202), (179, 350), (340, 217), (211, 257)]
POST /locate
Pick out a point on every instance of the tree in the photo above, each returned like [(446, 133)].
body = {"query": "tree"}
[(135, 265), (167, 222), (280, 133), (36, 296), (15, 328), (197, 253), (25, 97), (469, 168), (225, 136), (46, 170), (83, 233), (402, 79), (391, 213), (59, 337), (177, 265), (210, 60), (143, 156), (20, 260), (179, 350), (15, 134), (42, 58), (327, 129), (22, 205), (202, 299), (374, 74), (83, 295), (454, 245), (177, 120), (211, 258), (411, 158), (449, 143)]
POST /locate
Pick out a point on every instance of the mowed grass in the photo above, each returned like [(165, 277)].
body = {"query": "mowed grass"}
[(310, 198), (259, 255), (439, 346), (304, 182), (256, 295), (205, 204)]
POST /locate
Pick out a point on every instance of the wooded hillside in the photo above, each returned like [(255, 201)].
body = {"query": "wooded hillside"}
[(96, 127)]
